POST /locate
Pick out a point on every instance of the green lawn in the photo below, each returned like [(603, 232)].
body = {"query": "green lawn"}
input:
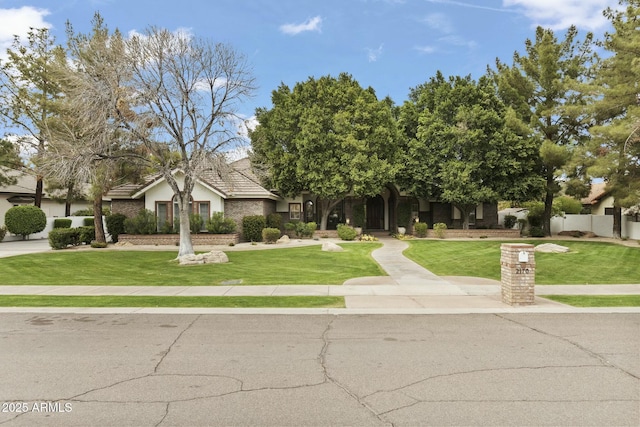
[(597, 300), (586, 263), (173, 301), (302, 265)]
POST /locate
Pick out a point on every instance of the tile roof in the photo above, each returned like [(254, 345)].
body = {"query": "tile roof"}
[(238, 182), (598, 191)]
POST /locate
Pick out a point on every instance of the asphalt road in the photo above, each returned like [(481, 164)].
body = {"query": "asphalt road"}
[(319, 370)]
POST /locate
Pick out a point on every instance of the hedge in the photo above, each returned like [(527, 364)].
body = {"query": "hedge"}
[(270, 234), (62, 223), (346, 232), (115, 225), (25, 220), (60, 238), (252, 226)]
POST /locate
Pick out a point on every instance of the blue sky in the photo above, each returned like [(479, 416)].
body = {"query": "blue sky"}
[(390, 45)]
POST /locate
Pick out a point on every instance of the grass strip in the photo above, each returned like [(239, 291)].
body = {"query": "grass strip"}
[(172, 301), (597, 300)]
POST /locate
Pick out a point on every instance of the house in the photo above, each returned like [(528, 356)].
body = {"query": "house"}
[(386, 211), (23, 192), (239, 193), (599, 201)]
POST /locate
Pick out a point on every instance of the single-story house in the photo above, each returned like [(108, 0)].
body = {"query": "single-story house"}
[(239, 193), (599, 201), (23, 192)]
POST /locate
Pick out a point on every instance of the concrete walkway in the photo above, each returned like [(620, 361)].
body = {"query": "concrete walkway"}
[(408, 288)]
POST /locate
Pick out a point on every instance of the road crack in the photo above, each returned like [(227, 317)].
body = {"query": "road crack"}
[(603, 360), (322, 359)]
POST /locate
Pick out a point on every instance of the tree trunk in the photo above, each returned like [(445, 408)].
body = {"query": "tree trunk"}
[(67, 201), (548, 205), (186, 246), (326, 205), (97, 219), (617, 222), (465, 211), (39, 191)]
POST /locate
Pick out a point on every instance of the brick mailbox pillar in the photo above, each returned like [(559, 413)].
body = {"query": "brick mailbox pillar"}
[(518, 271)]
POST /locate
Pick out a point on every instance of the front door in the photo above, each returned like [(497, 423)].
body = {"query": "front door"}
[(375, 213)]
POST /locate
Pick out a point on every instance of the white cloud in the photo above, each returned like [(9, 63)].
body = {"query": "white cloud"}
[(312, 24), (561, 14), (458, 41), (425, 49), (374, 54), (439, 22), (18, 22)]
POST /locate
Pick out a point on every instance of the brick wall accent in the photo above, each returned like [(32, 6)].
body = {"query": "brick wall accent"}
[(517, 276), (474, 233), (239, 208), (129, 208), (174, 239)]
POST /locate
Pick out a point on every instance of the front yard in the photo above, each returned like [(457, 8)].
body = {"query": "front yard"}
[(303, 265), (586, 263)]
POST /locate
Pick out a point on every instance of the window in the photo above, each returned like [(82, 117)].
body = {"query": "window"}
[(162, 215), (295, 210), (203, 210)]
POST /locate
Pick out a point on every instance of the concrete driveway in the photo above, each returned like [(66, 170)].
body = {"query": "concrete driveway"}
[(23, 247)]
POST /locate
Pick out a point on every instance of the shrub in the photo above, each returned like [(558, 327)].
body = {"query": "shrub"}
[(88, 222), (3, 232), (62, 223), (83, 212), (420, 229), (252, 226), (115, 225), (143, 223), (439, 229), (291, 228), (60, 238), (25, 220), (218, 224), (195, 223), (274, 220), (568, 205), (346, 232), (270, 234), (510, 221), (536, 231), (87, 234), (310, 228)]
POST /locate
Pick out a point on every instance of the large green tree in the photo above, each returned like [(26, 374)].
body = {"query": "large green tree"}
[(28, 93), (615, 149), (328, 136), (464, 146), (546, 88)]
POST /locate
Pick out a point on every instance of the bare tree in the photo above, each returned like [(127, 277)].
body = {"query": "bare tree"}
[(182, 98), (166, 100)]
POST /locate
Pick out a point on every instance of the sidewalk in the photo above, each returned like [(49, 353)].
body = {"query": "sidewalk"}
[(409, 288)]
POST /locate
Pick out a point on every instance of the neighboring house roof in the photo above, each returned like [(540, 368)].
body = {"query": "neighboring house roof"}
[(25, 187), (598, 192), (239, 183)]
